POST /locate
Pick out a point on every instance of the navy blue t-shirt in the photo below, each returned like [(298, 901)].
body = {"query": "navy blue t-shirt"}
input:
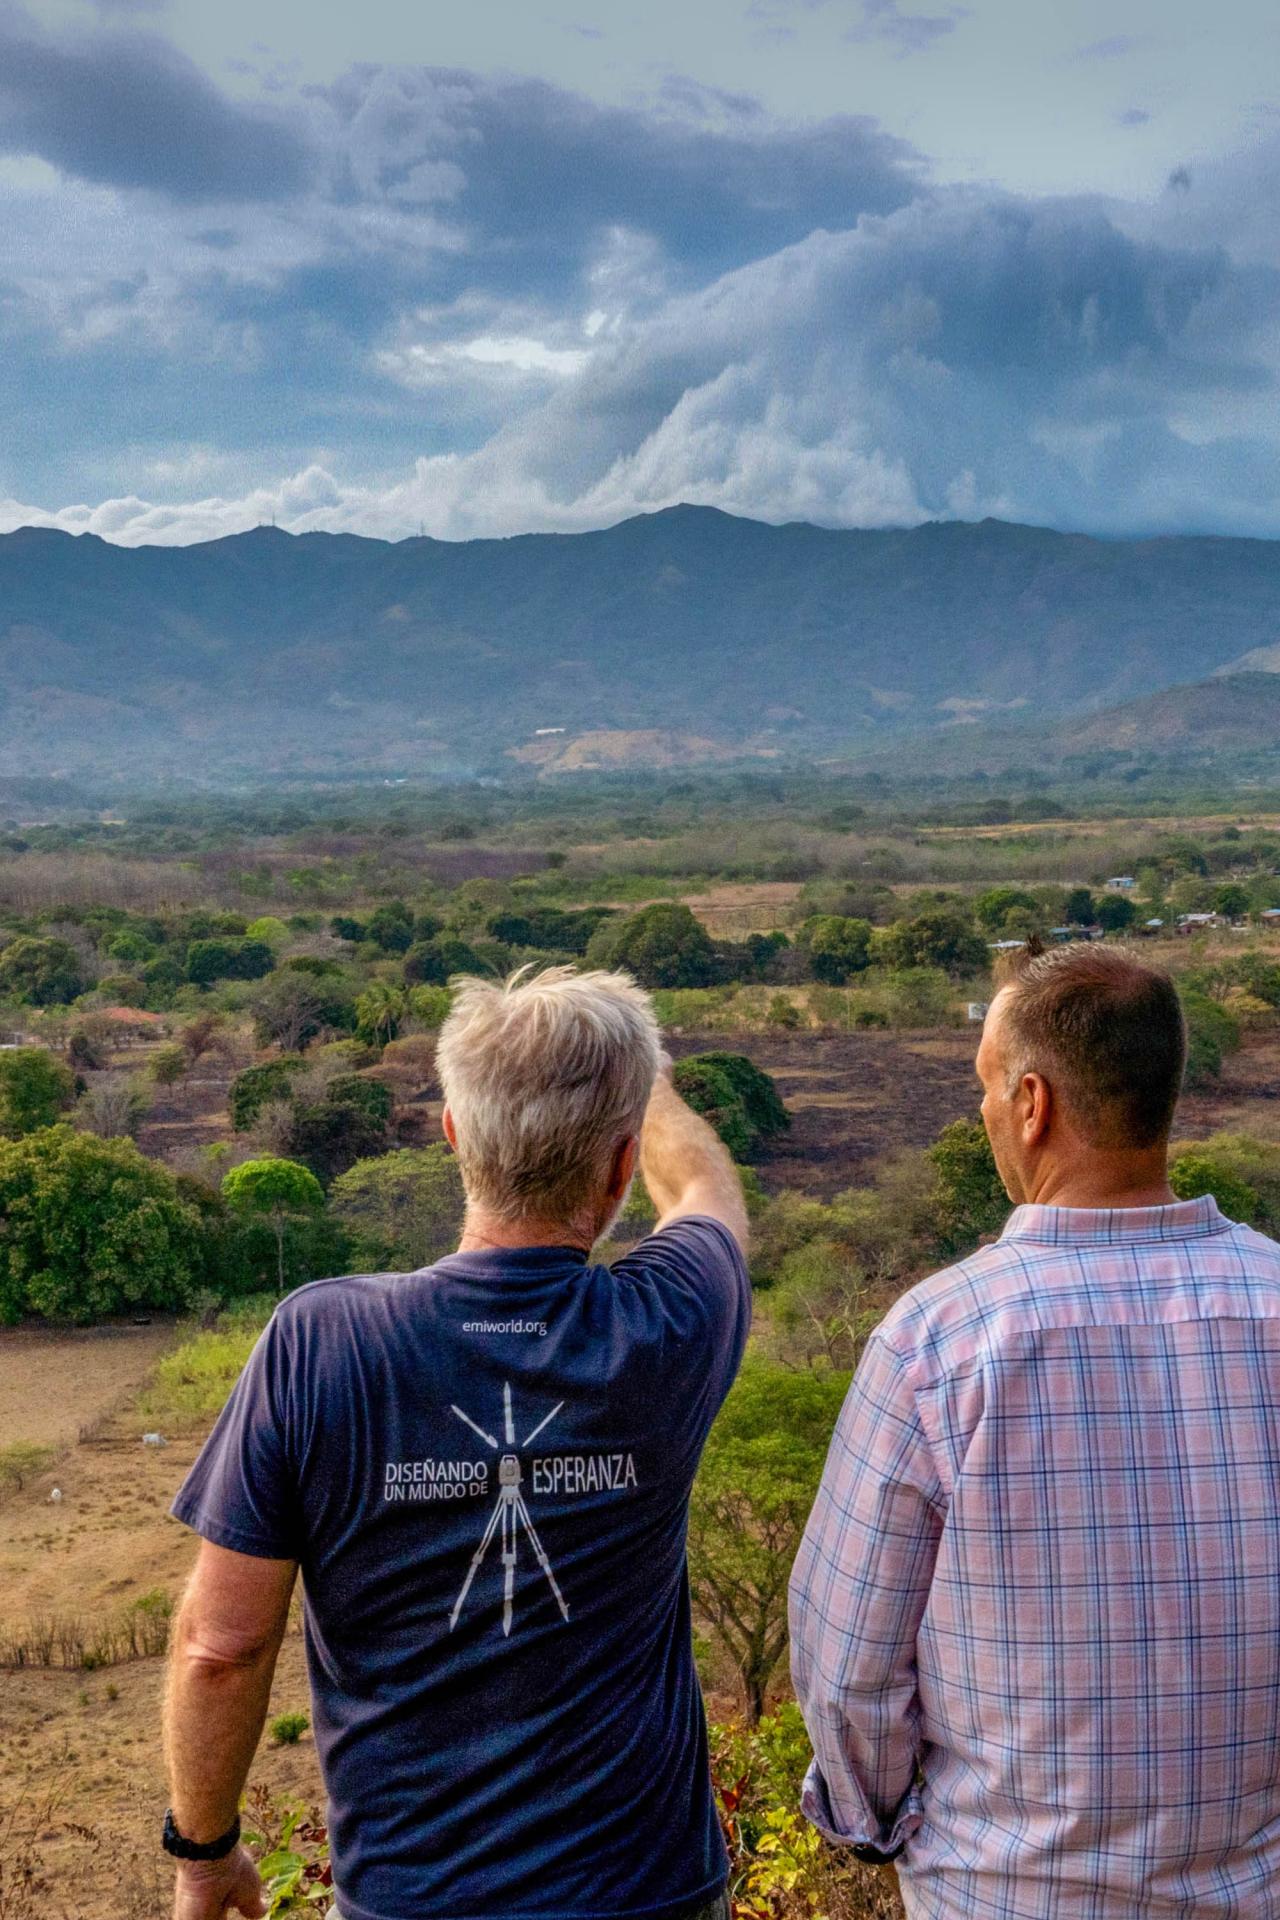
[(484, 1469)]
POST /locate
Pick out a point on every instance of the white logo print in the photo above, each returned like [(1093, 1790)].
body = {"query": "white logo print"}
[(509, 1514)]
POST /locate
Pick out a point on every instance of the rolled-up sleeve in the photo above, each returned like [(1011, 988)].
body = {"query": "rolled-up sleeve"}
[(858, 1591)]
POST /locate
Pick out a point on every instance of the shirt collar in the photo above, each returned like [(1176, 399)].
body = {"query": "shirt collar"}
[(1102, 1226), (493, 1262)]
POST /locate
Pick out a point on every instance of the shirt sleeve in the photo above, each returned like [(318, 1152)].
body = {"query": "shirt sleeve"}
[(858, 1591), (695, 1275), (241, 1492)]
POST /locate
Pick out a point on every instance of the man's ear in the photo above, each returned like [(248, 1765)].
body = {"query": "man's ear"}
[(1035, 1108), (450, 1131)]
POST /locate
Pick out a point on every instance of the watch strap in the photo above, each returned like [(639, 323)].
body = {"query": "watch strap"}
[(183, 1849)]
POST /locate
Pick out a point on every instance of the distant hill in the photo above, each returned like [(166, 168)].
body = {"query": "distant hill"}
[(670, 637), (1239, 714)]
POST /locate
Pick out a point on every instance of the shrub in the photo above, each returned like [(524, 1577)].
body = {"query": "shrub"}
[(710, 1093), (913, 997), (288, 1728), (191, 1384), (971, 1200)]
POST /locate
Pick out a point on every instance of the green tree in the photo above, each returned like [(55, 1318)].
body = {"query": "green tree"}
[(169, 1063), (278, 1190), (41, 973), (939, 939), (1193, 1173), (390, 927), (664, 945), (35, 1088), (837, 947), (434, 962), (971, 1200), (994, 907), (331, 1134), (210, 960), (759, 1474), (381, 1011), (429, 1006), (1114, 912), (403, 1209), (91, 1227), (1079, 908), (1231, 900)]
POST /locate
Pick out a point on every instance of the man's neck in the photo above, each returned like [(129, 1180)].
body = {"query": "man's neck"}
[(486, 1233), (1099, 1180)]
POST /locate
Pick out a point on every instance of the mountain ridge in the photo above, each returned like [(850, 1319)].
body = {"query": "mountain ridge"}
[(267, 651)]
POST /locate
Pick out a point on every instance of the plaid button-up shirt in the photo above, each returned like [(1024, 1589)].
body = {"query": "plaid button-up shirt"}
[(1036, 1615)]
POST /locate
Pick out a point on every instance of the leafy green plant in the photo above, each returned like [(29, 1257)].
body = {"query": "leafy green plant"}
[(292, 1848), (288, 1728)]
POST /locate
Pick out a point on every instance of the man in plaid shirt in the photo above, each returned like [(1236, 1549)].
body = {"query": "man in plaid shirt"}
[(1036, 1614)]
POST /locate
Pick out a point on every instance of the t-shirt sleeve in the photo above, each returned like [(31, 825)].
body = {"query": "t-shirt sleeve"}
[(241, 1493), (696, 1275)]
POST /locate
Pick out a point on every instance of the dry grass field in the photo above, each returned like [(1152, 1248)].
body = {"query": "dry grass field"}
[(52, 1384)]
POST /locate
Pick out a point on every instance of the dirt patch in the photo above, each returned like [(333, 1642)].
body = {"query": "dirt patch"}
[(54, 1382), (82, 1754), (853, 1097), (1246, 1099)]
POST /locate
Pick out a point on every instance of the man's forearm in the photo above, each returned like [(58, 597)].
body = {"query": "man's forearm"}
[(214, 1712), (685, 1164)]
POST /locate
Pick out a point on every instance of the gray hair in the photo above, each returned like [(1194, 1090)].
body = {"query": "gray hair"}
[(545, 1074)]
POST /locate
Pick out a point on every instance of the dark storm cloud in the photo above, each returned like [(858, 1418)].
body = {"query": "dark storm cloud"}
[(128, 110), (535, 175)]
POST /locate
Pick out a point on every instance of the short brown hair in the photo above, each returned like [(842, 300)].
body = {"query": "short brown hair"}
[(1107, 1033)]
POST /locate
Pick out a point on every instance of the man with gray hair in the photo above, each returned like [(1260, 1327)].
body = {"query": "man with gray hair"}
[(483, 1470)]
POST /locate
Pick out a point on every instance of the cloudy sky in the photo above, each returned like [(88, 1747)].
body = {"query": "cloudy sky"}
[(528, 264)]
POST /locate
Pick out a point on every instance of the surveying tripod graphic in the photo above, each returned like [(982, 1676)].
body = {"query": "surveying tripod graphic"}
[(509, 1513)]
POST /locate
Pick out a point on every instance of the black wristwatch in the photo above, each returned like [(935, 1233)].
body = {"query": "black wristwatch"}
[(181, 1849), (875, 1856)]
